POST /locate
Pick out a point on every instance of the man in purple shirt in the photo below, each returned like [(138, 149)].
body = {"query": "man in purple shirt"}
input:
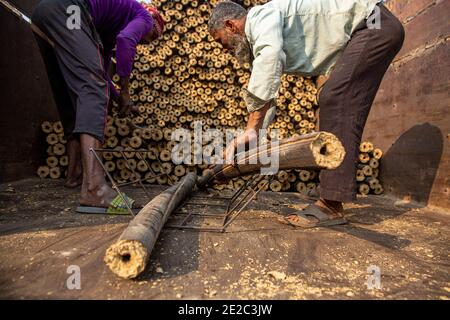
[(84, 33)]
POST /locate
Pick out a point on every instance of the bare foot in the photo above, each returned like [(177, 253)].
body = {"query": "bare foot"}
[(73, 182), (74, 177), (98, 197), (95, 192), (101, 197)]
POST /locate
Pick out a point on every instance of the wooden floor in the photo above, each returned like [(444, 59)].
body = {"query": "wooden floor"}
[(257, 258)]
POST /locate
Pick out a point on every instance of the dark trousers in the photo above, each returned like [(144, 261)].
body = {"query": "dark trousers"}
[(347, 97), (75, 67)]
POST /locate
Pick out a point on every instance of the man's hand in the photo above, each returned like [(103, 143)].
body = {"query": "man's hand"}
[(126, 106), (254, 124), (247, 138)]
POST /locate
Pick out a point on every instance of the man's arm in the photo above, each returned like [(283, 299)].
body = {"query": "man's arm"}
[(266, 32), (126, 43), (127, 40), (254, 124), (266, 35)]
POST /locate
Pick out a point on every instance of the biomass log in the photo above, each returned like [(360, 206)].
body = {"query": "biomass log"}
[(128, 257), (320, 150)]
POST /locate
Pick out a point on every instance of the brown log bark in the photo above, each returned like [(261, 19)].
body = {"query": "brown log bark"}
[(320, 150), (128, 257)]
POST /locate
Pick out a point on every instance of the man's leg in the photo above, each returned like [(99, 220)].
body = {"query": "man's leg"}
[(347, 97), (65, 103), (94, 191), (75, 169), (80, 61), (345, 103)]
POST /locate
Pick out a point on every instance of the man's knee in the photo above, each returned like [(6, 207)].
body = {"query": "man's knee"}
[(395, 35)]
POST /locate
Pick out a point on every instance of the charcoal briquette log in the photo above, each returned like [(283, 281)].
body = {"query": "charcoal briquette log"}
[(319, 150), (47, 127), (52, 139), (52, 161), (43, 171), (55, 172), (364, 189), (129, 256)]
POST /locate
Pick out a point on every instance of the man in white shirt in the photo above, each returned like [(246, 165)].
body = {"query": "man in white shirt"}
[(352, 41)]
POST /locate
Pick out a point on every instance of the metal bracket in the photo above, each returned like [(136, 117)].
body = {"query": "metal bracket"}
[(233, 207)]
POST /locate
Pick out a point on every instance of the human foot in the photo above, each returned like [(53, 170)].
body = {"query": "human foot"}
[(322, 213), (106, 201), (97, 196), (73, 182)]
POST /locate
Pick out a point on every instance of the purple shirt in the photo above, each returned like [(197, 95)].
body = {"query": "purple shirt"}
[(123, 23)]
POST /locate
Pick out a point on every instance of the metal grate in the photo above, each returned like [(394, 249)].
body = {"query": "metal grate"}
[(233, 206)]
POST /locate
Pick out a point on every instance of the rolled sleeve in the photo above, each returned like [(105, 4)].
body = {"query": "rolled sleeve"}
[(265, 34), (127, 41)]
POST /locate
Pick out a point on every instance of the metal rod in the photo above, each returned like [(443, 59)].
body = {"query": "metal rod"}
[(113, 183), (234, 198), (134, 172), (215, 215), (19, 14), (245, 205), (205, 204), (208, 229)]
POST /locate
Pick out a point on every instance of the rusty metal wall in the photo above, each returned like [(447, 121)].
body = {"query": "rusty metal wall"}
[(26, 99), (410, 119)]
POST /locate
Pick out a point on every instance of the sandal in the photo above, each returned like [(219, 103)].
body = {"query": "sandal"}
[(326, 217), (116, 207)]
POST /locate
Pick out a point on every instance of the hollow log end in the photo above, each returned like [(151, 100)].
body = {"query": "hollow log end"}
[(126, 258), (328, 150)]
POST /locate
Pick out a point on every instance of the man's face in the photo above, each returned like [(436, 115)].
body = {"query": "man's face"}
[(222, 36), (235, 43)]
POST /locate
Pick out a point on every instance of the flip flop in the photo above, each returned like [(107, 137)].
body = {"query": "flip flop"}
[(116, 207), (324, 220)]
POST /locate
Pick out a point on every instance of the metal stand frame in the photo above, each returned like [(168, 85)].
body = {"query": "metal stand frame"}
[(234, 205), (233, 208), (116, 186)]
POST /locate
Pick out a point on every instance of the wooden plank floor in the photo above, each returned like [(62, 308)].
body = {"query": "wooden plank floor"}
[(258, 258)]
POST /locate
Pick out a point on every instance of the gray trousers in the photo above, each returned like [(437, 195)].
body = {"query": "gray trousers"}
[(75, 67)]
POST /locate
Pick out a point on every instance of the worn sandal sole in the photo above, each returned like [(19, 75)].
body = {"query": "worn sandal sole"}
[(98, 210), (324, 219), (117, 207)]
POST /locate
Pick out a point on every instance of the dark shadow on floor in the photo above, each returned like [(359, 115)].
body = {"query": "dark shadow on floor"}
[(408, 171), (409, 167)]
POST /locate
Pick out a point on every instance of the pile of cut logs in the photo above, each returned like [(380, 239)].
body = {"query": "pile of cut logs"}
[(57, 159), (186, 77)]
